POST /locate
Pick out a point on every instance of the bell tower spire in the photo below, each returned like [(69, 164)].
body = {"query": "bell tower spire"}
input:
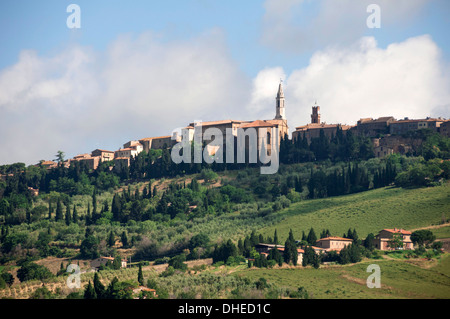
[(280, 111)]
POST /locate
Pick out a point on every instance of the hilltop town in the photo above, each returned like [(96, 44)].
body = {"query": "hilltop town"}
[(387, 134)]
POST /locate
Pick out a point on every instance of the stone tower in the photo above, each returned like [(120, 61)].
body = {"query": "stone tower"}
[(280, 114), (315, 116)]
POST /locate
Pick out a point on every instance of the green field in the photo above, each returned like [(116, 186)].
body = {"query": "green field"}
[(367, 212), (399, 279)]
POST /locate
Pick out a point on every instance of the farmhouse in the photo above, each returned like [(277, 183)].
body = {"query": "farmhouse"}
[(383, 238), (144, 289), (96, 263), (264, 249), (333, 243)]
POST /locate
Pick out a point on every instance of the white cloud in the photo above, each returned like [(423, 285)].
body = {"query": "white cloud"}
[(79, 100), (406, 79), (295, 26), (264, 90)]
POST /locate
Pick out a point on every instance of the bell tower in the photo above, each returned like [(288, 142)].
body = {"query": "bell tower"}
[(315, 116), (280, 111)]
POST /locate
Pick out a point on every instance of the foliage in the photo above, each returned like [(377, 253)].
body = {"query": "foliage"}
[(31, 271)]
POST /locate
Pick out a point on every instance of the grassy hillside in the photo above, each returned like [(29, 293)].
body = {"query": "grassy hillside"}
[(399, 279), (367, 212)]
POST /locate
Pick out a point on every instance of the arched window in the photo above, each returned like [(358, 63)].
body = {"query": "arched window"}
[(268, 138)]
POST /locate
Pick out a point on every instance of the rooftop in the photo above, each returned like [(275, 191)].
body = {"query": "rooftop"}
[(154, 138), (398, 231), (314, 126), (258, 123), (335, 238)]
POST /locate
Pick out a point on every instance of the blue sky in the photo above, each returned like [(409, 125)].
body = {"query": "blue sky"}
[(41, 25), (136, 64)]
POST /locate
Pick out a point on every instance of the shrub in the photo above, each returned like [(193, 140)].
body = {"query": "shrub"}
[(30, 271)]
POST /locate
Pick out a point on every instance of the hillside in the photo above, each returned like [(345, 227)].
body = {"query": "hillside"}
[(367, 212)]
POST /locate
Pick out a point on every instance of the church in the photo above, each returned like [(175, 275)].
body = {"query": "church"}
[(279, 122)]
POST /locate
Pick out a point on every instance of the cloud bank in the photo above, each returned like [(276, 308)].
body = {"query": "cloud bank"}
[(407, 79), (296, 26), (141, 86), (79, 100)]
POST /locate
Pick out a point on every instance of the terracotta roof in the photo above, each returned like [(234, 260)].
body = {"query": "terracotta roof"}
[(154, 138), (105, 151), (48, 163), (258, 123), (415, 121), (298, 249), (109, 258), (335, 238), (321, 125), (371, 120), (398, 231), (217, 122)]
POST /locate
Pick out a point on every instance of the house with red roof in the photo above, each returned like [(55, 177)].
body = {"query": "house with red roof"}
[(383, 238), (333, 243)]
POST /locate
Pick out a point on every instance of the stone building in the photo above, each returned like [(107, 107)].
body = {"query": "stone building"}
[(381, 241), (157, 143), (91, 161), (105, 156), (333, 243), (374, 127), (313, 129), (444, 129), (406, 125), (279, 123)]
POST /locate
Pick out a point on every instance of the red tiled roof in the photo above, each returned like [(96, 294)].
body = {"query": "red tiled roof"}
[(104, 151), (321, 125), (258, 123), (398, 231), (217, 122), (154, 138), (335, 238)]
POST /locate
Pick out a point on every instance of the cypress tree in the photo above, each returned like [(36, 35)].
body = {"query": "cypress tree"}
[(99, 288), (59, 213), (94, 205), (89, 292), (312, 238), (50, 209), (111, 240), (68, 215), (140, 275), (116, 208), (124, 239), (75, 214), (298, 184), (88, 215)]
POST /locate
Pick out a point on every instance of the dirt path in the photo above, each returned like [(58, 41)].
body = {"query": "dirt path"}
[(431, 227)]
